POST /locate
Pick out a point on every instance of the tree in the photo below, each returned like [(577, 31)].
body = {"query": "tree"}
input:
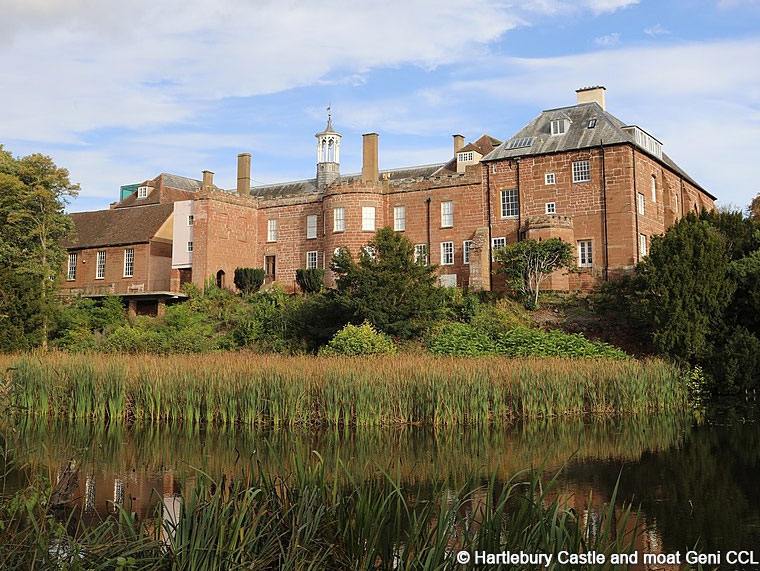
[(249, 280), (386, 287), (33, 193), (528, 263), (683, 288), (754, 208), (310, 280)]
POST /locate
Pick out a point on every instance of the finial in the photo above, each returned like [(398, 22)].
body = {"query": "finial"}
[(329, 107)]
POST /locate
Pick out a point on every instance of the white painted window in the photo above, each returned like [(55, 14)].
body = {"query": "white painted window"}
[(550, 178), (100, 265), (311, 226), (654, 188), (190, 220), (189, 246), (510, 206), (640, 200), (498, 243), (447, 214), (370, 251), (642, 244), (447, 253), (272, 230), (465, 157), (559, 126), (368, 218), (551, 208), (584, 254), (420, 254), (581, 171), (71, 271), (311, 260), (129, 262), (676, 203), (339, 219), (142, 191), (466, 247), (399, 218), (493, 168)]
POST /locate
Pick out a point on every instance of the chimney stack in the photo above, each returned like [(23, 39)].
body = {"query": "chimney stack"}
[(595, 94), (369, 158), (208, 180), (458, 143), (244, 174)]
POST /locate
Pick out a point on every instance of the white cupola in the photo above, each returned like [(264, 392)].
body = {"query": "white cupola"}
[(328, 154)]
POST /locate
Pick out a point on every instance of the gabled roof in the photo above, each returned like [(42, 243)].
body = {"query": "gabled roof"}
[(484, 145), (607, 130), (118, 226), (156, 195)]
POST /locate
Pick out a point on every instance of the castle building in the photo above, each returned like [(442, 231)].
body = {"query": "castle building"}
[(576, 173)]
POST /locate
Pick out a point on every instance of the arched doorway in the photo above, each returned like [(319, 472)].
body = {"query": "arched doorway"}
[(220, 279)]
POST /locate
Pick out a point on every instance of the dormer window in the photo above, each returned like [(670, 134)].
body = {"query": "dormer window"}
[(465, 157), (142, 191), (559, 126), (592, 123)]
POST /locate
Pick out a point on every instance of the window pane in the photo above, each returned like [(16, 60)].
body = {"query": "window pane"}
[(399, 218), (100, 265), (71, 274), (368, 218), (509, 203), (272, 230), (447, 214), (339, 222), (129, 262), (581, 171), (311, 226), (447, 253), (466, 251)]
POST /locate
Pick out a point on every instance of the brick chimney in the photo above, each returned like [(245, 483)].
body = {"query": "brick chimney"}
[(244, 174), (208, 180), (458, 143), (369, 158), (595, 94)]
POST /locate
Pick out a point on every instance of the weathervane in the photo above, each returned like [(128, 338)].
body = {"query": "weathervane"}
[(329, 106)]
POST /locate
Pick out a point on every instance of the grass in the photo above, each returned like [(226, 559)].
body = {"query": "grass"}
[(272, 390), (309, 520)]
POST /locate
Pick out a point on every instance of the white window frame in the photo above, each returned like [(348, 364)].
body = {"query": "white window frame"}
[(339, 219), (585, 253), (311, 226), (368, 218), (466, 247), (559, 126), (312, 260), (370, 251), (676, 203), (71, 271), (640, 203), (142, 192), (100, 265), (447, 253), (189, 247), (510, 208), (129, 262), (190, 220), (654, 188), (550, 178), (447, 214), (272, 228), (581, 171), (642, 245), (399, 218), (420, 254), (465, 157), (551, 208), (498, 242)]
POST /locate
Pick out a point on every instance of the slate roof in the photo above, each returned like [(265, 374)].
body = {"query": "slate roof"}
[(156, 196), (608, 130), (309, 186), (484, 145), (116, 227)]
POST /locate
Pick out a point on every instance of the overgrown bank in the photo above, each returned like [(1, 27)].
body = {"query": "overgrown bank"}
[(303, 391)]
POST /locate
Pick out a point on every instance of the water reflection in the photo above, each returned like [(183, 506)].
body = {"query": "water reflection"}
[(690, 483)]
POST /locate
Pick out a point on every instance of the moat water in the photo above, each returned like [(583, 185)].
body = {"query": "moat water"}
[(692, 483)]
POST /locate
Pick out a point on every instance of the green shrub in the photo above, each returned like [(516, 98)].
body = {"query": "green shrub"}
[(461, 340), (135, 339), (249, 280), (359, 340), (310, 280), (501, 317)]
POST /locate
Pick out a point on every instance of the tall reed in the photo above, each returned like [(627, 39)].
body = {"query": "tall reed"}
[(270, 390)]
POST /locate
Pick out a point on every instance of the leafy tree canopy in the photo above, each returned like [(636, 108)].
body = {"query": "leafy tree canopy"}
[(387, 288)]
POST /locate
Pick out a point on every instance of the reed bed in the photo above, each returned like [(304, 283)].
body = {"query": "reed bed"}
[(271, 390), (309, 520)]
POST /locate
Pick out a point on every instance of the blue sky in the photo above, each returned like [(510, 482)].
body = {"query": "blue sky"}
[(119, 92)]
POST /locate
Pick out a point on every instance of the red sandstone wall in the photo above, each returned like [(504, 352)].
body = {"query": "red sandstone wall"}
[(114, 274)]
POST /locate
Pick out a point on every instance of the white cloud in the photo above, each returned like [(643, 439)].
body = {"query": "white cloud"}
[(656, 30), (608, 41), (603, 6)]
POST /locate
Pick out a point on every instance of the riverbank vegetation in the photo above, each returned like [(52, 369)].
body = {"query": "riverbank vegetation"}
[(336, 391)]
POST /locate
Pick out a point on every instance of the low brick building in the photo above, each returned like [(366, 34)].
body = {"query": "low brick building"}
[(577, 173)]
